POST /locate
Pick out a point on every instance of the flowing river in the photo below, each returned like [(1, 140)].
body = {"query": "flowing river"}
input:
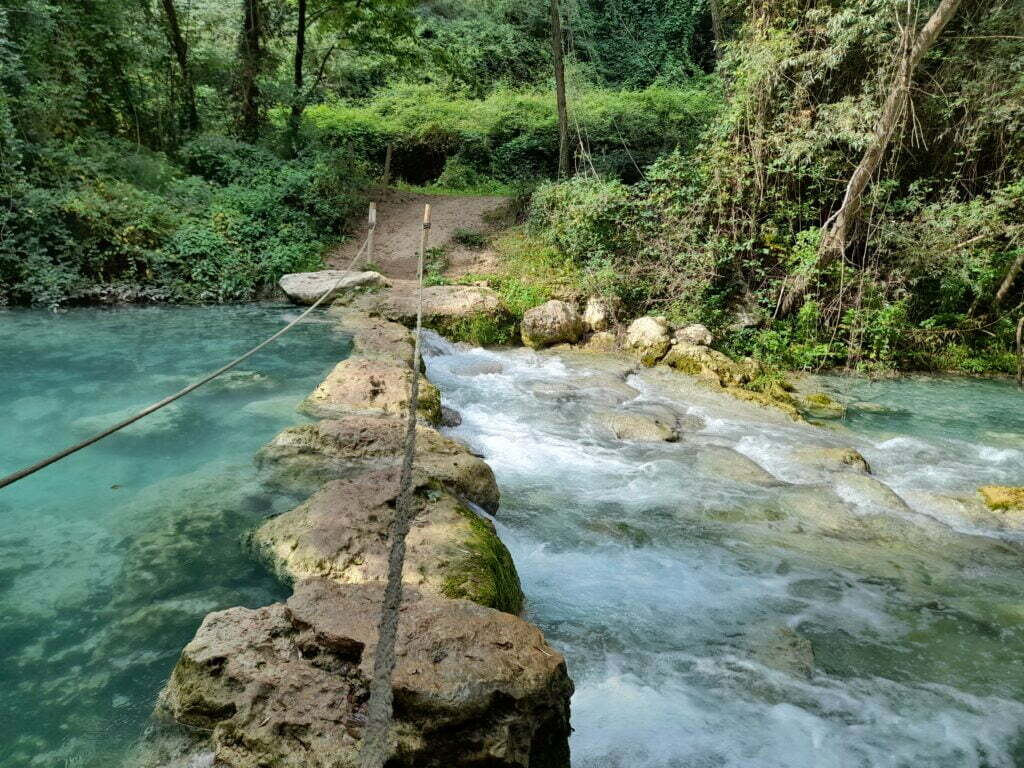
[(741, 597)]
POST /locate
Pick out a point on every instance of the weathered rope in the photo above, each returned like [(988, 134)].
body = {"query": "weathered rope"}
[(376, 737), (42, 464)]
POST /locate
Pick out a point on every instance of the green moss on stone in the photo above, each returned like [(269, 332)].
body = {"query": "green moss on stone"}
[(487, 575), (482, 329)]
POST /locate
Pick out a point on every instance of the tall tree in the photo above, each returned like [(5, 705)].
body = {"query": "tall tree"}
[(180, 48), (298, 98), (563, 113), (251, 57), (835, 232)]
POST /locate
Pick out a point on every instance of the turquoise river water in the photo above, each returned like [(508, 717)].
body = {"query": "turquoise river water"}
[(738, 598), (110, 559)]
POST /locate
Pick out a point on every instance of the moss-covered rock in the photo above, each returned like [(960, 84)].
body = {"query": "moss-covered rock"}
[(1004, 498), (818, 405), (341, 534)]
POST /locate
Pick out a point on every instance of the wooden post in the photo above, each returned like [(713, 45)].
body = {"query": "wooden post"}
[(372, 228), (563, 114)]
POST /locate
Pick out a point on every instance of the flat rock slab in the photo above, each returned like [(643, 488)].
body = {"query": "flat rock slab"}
[(341, 534), (303, 458), (440, 302), (306, 287), (287, 685), (364, 385), (376, 338)]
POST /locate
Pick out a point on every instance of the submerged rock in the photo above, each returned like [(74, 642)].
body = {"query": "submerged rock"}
[(831, 458), (287, 685), (818, 405), (359, 384), (732, 465), (450, 417), (301, 459), (553, 322), (341, 534), (639, 427), (307, 287), (1004, 498), (648, 338), (783, 649)]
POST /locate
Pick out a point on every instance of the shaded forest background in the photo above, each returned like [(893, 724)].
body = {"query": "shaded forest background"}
[(195, 150)]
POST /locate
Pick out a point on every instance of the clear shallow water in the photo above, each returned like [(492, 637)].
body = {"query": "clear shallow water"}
[(110, 559), (688, 590)]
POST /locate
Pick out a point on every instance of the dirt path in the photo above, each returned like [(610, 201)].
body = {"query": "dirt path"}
[(399, 224)]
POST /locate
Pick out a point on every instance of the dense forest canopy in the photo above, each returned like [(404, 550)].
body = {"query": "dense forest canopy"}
[(195, 151)]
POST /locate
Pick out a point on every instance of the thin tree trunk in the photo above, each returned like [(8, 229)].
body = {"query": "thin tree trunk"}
[(250, 56), (835, 232), (563, 114), (298, 98), (1010, 279), (180, 47), (716, 23)]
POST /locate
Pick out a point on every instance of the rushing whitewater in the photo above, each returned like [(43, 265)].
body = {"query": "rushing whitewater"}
[(742, 598)]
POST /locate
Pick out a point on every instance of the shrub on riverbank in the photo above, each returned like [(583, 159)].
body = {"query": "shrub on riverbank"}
[(222, 222)]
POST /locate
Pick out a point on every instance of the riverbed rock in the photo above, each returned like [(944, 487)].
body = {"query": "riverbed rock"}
[(450, 417), (600, 343), (341, 534), (637, 427), (307, 287), (598, 315), (553, 322), (818, 405), (706, 363), (364, 385), (694, 334), (720, 461), (832, 458), (1004, 498), (648, 338), (303, 458), (783, 649), (287, 685)]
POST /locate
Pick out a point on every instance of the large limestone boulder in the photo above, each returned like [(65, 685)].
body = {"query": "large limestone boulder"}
[(376, 338), (694, 334), (638, 427), (598, 315), (368, 386), (341, 534), (648, 338), (600, 343), (553, 322), (301, 459), (440, 303), (706, 363), (307, 287), (287, 685)]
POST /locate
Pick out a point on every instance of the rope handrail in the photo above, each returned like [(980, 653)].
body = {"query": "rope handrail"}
[(54, 458)]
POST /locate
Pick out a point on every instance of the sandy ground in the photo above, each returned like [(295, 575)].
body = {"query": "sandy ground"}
[(399, 224)]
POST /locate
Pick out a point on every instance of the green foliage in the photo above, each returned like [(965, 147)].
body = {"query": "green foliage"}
[(511, 135), (471, 238), (145, 222)]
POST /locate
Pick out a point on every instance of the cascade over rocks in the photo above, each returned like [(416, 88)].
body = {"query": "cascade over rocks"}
[(307, 287), (287, 685), (553, 322), (303, 458), (341, 534), (648, 338)]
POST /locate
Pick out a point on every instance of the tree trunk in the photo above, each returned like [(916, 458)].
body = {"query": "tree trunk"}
[(181, 53), (298, 98), (250, 55), (716, 22), (836, 230), (563, 115)]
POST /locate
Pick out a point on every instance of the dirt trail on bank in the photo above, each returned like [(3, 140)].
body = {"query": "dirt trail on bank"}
[(399, 224)]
